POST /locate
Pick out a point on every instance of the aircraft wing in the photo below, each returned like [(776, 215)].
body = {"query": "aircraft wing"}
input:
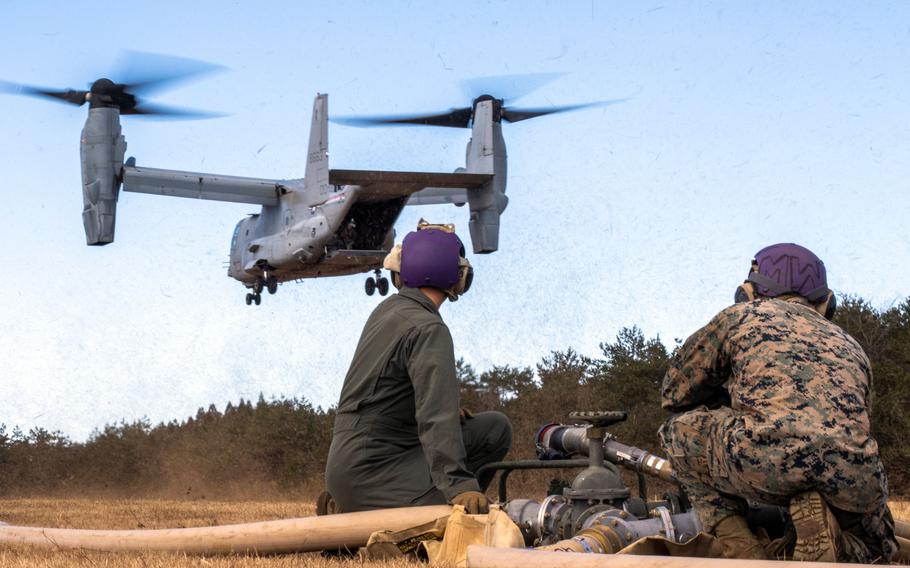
[(202, 186), (385, 185)]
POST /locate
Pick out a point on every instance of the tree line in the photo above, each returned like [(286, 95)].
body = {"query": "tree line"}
[(278, 447)]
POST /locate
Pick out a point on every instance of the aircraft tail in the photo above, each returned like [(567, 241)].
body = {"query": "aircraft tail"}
[(486, 154), (316, 180)]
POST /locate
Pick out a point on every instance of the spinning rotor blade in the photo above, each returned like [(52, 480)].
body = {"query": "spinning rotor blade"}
[(457, 117), (517, 114), (150, 110), (145, 73), (139, 73), (511, 86), (66, 96), (507, 87), (461, 117)]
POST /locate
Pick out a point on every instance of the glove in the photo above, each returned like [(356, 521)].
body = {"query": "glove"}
[(474, 502)]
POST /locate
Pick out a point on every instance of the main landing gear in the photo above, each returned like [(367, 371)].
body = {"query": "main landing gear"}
[(267, 281), (380, 283)]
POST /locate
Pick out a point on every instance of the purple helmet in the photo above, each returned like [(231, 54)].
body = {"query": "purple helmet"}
[(430, 257), (788, 268)]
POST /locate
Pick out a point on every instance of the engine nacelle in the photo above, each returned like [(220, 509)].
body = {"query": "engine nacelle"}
[(486, 154), (101, 151)]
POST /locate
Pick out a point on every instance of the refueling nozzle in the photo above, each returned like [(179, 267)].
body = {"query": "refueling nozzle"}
[(561, 441)]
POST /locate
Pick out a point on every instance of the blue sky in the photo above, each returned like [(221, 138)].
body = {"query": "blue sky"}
[(747, 123)]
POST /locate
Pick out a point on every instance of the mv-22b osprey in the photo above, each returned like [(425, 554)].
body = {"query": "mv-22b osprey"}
[(331, 222)]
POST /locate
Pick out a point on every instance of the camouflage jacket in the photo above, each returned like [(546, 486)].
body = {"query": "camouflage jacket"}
[(796, 381)]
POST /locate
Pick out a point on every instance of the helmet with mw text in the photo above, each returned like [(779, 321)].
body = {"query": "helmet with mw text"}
[(788, 269)]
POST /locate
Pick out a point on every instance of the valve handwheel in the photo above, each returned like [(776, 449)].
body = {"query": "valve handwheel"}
[(599, 418)]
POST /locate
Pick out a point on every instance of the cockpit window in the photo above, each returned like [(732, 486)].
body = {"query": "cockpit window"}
[(236, 234)]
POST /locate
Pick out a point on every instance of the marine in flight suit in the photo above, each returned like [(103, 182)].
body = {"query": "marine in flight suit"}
[(399, 437)]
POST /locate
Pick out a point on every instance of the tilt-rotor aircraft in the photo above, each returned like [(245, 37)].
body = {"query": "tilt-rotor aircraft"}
[(331, 222)]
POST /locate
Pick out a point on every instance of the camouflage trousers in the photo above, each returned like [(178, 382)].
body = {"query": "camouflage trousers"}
[(721, 474)]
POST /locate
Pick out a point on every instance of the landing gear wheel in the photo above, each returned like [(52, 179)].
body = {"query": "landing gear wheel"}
[(271, 284), (383, 286), (257, 286), (249, 299), (257, 299), (369, 286)]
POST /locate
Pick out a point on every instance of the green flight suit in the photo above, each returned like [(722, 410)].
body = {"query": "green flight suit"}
[(398, 440)]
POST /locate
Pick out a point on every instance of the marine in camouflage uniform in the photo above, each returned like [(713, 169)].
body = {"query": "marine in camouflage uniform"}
[(776, 402)]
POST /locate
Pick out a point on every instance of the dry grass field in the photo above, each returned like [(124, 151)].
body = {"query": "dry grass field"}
[(901, 510), (151, 514)]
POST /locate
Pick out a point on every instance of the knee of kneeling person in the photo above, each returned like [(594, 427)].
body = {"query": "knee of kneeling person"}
[(496, 427), (503, 427), (681, 429), (683, 443)]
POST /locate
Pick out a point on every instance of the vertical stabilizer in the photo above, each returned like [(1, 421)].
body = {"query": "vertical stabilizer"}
[(316, 180)]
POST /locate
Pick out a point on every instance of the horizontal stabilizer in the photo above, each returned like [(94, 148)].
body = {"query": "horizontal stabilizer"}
[(202, 186)]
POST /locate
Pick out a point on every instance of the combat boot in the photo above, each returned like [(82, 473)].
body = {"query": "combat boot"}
[(737, 541), (817, 531), (325, 504)]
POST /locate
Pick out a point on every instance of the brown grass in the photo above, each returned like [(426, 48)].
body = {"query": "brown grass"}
[(145, 514), (900, 509), (152, 514)]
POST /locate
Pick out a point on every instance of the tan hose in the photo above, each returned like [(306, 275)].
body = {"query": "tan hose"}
[(902, 528), (600, 539), (305, 534), (903, 554), (487, 557)]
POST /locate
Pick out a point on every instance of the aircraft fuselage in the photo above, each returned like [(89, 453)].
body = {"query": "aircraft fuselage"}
[(294, 240)]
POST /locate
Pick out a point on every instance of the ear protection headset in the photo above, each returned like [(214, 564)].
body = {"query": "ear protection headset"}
[(822, 299), (465, 279), (392, 263)]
